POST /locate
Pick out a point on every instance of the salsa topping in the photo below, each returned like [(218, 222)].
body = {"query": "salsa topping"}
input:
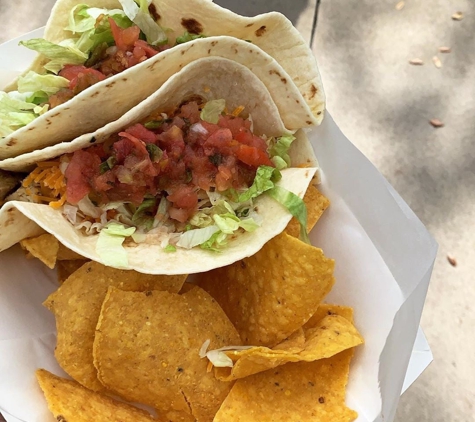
[(179, 157)]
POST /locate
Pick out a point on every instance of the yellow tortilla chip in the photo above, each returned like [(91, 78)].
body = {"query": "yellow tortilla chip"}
[(295, 392), (71, 402), (271, 294), (294, 343), (66, 268), (147, 349), (77, 305), (330, 336), (48, 250), (329, 309), (44, 247), (316, 204)]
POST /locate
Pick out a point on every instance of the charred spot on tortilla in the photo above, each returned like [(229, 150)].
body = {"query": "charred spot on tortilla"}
[(318, 114), (153, 12), (11, 142), (249, 25), (56, 114), (284, 80), (314, 90), (213, 43), (209, 51), (95, 94), (110, 84), (275, 72), (308, 122), (93, 139), (236, 51), (260, 32), (192, 26)]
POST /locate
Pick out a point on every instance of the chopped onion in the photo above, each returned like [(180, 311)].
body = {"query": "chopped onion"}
[(204, 348)]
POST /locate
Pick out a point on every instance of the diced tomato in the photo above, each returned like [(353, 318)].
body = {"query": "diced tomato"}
[(81, 77), (79, 174), (172, 141), (246, 137), (184, 197), (124, 38), (179, 214), (147, 48), (71, 71), (122, 149), (220, 141), (60, 97), (104, 182), (234, 124), (141, 132), (139, 146), (191, 112), (253, 156)]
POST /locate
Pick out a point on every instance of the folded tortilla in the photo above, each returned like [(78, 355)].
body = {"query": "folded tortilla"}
[(210, 79), (267, 44)]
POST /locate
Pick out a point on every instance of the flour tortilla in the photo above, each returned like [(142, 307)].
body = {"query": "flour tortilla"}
[(211, 78), (277, 54)]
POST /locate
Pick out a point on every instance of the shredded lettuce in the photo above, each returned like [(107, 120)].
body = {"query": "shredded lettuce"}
[(143, 216), (279, 151), (15, 112), (34, 82), (82, 18), (186, 37), (140, 15), (295, 205), (109, 245), (169, 248), (60, 54), (192, 238), (265, 179), (212, 110)]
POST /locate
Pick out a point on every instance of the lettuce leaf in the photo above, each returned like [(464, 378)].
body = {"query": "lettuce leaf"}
[(192, 238), (142, 18), (212, 110), (34, 82), (59, 54), (109, 245), (265, 179), (296, 207), (279, 151), (186, 37)]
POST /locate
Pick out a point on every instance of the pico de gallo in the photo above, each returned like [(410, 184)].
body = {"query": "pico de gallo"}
[(105, 42), (183, 179)]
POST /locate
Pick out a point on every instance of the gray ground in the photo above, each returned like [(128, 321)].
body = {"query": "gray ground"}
[(383, 104)]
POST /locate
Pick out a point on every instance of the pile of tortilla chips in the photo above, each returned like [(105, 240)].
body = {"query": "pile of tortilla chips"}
[(248, 342)]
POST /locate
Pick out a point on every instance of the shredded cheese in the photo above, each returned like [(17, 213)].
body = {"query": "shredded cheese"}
[(237, 111), (49, 178)]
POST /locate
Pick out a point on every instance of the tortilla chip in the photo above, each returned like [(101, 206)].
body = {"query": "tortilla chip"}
[(294, 343), (295, 392), (66, 268), (328, 309), (332, 335), (147, 349), (316, 204), (77, 305), (65, 254), (44, 247), (48, 249), (71, 402), (271, 294)]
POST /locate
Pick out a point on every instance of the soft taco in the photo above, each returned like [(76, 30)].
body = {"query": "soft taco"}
[(98, 60), (197, 176)]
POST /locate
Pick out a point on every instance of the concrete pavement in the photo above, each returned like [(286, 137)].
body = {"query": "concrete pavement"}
[(384, 104)]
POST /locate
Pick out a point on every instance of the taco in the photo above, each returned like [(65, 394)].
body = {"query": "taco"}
[(98, 60), (195, 177)]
